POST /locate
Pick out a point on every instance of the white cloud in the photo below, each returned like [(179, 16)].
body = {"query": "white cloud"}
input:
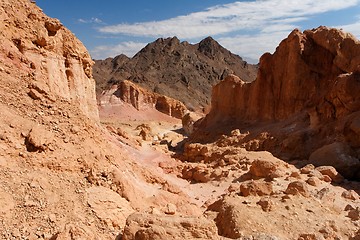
[(251, 47), (231, 17), (92, 20), (246, 28), (128, 48)]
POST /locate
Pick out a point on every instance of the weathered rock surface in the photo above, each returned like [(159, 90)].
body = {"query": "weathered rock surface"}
[(57, 62), (304, 98), (140, 98), (146, 226), (176, 69)]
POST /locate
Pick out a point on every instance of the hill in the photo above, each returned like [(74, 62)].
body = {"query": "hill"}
[(176, 69)]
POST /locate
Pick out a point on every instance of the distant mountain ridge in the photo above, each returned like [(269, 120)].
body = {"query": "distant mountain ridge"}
[(177, 69)]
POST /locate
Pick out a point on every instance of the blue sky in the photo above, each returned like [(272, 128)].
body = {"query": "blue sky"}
[(247, 28)]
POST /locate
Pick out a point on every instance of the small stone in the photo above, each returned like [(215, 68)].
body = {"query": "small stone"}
[(296, 188), (316, 173), (295, 175), (233, 187), (307, 169), (354, 214), (350, 194), (170, 209), (313, 181), (349, 207), (34, 94), (256, 188), (266, 204), (331, 172)]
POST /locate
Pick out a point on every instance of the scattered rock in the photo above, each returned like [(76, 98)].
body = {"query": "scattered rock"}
[(349, 207), (307, 169), (340, 156), (313, 181), (331, 172), (354, 214), (266, 204), (38, 139), (145, 226), (298, 188), (311, 236), (266, 169), (170, 209), (350, 194), (255, 188)]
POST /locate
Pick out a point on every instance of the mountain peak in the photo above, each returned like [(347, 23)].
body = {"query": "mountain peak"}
[(210, 47)]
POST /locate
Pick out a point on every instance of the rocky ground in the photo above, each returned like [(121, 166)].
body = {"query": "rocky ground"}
[(65, 173)]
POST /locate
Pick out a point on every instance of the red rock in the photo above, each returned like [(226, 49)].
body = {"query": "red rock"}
[(338, 155), (305, 97), (350, 194), (255, 188), (296, 188), (331, 172), (140, 99), (266, 169), (266, 204)]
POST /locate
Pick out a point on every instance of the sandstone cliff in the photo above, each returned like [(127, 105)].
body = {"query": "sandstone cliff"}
[(57, 61), (140, 98), (62, 176), (305, 97), (180, 70)]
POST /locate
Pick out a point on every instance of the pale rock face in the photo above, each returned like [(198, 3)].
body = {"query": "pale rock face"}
[(128, 92), (42, 47)]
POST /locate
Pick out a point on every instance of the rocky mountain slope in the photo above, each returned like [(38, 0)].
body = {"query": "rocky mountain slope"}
[(63, 176), (176, 69)]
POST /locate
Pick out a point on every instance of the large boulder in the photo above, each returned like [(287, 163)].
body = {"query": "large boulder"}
[(338, 155)]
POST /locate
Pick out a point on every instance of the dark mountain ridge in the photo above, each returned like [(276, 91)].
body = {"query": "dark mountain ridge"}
[(177, 69)]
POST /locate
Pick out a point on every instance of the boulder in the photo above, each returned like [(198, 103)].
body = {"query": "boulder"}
[(255, 188), (340, 156), (188, 121), (143, 226), (350, 194), (331, 172), (267, 168), (38, 139), (298, 188)]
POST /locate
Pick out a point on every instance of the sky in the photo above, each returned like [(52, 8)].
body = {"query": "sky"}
[(248, 28)]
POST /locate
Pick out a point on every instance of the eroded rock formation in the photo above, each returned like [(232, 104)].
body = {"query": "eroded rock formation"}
[(57, 62), (305, 97), (140, 98)]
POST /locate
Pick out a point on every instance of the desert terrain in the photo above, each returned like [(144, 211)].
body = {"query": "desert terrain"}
[(274, 156)]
